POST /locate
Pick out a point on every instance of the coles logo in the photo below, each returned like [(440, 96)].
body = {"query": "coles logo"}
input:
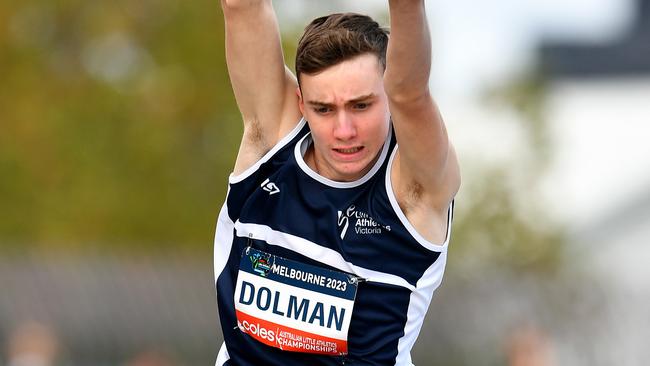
[(257, 330)]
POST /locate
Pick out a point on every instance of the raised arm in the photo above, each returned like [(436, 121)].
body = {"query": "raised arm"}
[(425, 171), (264, 88)]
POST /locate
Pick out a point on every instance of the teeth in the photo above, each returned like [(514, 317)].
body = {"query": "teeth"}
[(350, 151)]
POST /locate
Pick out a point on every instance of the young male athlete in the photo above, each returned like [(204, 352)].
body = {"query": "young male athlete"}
[(332, 238)]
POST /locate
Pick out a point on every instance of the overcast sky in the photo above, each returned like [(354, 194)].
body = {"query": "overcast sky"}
[(478, 43)]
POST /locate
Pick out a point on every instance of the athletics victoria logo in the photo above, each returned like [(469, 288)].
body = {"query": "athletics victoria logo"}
[(363, 224)]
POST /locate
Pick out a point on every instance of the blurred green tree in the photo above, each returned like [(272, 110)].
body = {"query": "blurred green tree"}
[(117, 123), (118, 128), (502, 222)]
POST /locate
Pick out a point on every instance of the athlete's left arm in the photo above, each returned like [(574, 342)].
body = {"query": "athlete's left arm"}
[(425, 168)]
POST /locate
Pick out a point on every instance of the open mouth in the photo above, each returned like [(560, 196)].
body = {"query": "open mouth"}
[(351, 150)]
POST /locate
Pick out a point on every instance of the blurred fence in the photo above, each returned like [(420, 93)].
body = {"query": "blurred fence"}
[(109, 310)]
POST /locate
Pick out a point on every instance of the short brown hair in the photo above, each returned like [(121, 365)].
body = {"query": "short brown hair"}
[(338, 37)]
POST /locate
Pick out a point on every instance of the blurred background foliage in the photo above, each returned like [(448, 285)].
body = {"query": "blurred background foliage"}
[(119, 127), (117, 122), (501, 222)]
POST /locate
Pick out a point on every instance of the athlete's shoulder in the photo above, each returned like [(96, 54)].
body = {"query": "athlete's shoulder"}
[(250, 159)]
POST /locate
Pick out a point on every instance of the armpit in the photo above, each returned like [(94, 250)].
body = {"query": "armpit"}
[(253, 133), (410, 197)]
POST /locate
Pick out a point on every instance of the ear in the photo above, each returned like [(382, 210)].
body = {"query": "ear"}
[(301, 102)]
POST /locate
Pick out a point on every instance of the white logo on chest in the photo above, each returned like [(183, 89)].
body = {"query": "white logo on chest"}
[(363, 223), (270, 187)]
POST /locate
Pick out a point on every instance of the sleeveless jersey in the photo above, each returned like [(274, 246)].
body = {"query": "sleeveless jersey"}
[(282, 207)]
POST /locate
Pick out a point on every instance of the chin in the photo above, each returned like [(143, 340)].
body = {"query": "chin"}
[(353, 173)]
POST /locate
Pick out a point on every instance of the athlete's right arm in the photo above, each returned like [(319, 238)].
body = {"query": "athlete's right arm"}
[(264, 88)]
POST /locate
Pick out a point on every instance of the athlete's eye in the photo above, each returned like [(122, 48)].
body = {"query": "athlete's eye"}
[(361, 106), (322, 110)]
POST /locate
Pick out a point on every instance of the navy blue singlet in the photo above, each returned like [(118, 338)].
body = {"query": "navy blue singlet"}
[(281, 207)]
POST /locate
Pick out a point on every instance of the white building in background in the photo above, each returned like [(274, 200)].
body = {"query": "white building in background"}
[(601, 129), (599, 110), (597, 186)]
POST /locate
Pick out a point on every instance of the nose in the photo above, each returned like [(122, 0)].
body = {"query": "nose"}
[(345, 128)]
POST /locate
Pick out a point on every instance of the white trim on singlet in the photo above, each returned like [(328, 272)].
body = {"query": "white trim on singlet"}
[(232, 179), (317, 252), (301, 148), (417, 309), (402, 217), (222, 356), (427, 284), (222, 239)]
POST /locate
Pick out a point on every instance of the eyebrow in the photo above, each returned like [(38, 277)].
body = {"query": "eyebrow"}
[(351, 101)]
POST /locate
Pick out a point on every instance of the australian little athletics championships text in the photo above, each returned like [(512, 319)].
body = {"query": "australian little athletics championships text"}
[(305, 346), (285, 339), (309, 278)]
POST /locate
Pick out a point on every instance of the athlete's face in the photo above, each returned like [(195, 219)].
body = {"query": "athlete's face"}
[(347, 111)]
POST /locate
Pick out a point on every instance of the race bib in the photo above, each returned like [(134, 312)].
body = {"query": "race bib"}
[(294, 306)]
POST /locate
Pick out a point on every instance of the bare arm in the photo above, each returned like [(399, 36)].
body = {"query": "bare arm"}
[(426, 169), (264, 88)]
